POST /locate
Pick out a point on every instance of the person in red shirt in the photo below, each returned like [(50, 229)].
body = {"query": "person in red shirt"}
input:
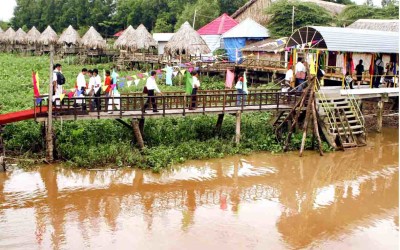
[(108, 83)]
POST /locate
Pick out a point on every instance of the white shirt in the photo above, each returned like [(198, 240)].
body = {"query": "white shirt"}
[(97, 83), (152, 85), (300, 67), (55, 75), (196, 82), (91, 82), (289, 75), (239, 85), (80, 80)]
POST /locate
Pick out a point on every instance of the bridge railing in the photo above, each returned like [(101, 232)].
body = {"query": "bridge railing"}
[(168, 104)]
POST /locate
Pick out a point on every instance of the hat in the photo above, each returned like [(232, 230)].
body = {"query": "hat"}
[(241, 78)]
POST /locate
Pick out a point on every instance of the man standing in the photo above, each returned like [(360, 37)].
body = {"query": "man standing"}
[(58, 80), (195, 86), (97, 88), (81, 81), (151, 86), (359, 72), (300, 72)]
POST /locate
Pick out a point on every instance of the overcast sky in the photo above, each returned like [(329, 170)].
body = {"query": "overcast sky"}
[(7, 8)]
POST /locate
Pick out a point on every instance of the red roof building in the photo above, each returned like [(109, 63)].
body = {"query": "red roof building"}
[(219, 26)]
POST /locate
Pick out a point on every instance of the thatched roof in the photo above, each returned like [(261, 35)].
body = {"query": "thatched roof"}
[(93, 40), (49, 36), (186, 41), (144, 39), (20, 36), (267, 45), (33, 35), (8, 36), (127, 39), (376, 24), (333, 8), (69, 36)]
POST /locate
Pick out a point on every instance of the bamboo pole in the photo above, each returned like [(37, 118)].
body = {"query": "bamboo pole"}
[(305, 126), (237, 131), (316, 131), (49, 134)]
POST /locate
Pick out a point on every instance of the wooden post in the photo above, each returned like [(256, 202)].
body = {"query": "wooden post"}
[(136, 132), (237, 131), (141, 126), (2, 151), (49, 134), (379, 116), (218, 126)]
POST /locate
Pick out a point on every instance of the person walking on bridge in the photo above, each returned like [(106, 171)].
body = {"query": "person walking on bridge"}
[(195, 87), (151, 86)]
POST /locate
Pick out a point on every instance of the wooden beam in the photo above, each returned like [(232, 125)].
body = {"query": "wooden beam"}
[(141, 126), (218, 126), (136, 132), (237, 130), (124, 123), (379, 118)]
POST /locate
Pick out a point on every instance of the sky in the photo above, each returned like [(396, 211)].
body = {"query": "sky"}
[(7, 8)]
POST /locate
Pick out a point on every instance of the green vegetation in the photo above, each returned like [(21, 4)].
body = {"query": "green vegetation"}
[(354, 12), (280, 23), (101, 142), (110, 16)]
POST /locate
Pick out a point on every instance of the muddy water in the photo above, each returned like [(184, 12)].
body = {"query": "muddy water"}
[(344, 200)]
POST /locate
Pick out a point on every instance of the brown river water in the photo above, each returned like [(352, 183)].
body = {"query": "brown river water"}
[(343, 200)]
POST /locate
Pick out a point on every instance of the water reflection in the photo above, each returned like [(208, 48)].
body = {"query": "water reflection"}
[(257, 201)]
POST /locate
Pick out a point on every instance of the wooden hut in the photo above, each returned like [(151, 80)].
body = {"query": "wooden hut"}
[(69, 41), (126, 41), (47, 38), (146, 45), (93, 42), (186, 42), (8, 39), (20, 41), (32, 37)]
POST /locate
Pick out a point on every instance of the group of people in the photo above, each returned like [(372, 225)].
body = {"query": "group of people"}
[(91, 88)]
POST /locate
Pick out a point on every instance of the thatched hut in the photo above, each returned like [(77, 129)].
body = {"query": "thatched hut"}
[(32, 38), (47, 38), (69, 40), (20, 40), (376, 24), (126, 41), (1, 40), (93, 42), (144, 39), (186, 42), (8, 39)]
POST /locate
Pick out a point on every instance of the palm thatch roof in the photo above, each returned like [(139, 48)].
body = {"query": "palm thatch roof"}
[(49, 36), (1, 34), (93, 40), (33, 35), (186, 41), (376, 24), (69, 36), (127, 39), (144, 39), (333, 8), (8, 36), (20, 37)]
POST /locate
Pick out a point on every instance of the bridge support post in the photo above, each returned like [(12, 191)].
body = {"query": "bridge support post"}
[(379, 116), (137, 133), (218, 126), (2, 151), (237, 130), (141, 125)]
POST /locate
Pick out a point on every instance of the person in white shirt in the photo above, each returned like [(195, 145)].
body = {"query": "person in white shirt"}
[(289, 77), (81, 85), (239, 88), (195, 86), (151, 86), (97, 89), (300, 72), (57, 88)]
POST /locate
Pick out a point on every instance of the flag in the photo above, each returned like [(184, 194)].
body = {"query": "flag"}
[(290, 61), (312, 64), (35, 85), (168, 76), (137, 82), (183, 71), (70, 94), (230, 77), (104, 87), (245, 90), (188, 83), (114, 76), (62, 97), (122, 84), (37, 81), (38, 100), (129, 83)]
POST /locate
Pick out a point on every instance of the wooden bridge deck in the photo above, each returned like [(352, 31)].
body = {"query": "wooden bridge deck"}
[(224, 102)]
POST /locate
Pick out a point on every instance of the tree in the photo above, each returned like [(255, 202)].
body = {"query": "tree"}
[(354, 12), (280, 23), (206, 11), (230, 6)]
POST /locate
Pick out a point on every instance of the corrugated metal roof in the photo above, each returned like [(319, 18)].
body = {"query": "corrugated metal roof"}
[(218, 26), (162, 37), (346, 39), (247, 29)]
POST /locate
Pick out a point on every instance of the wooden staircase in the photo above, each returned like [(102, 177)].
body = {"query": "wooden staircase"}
[(343, 121)]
